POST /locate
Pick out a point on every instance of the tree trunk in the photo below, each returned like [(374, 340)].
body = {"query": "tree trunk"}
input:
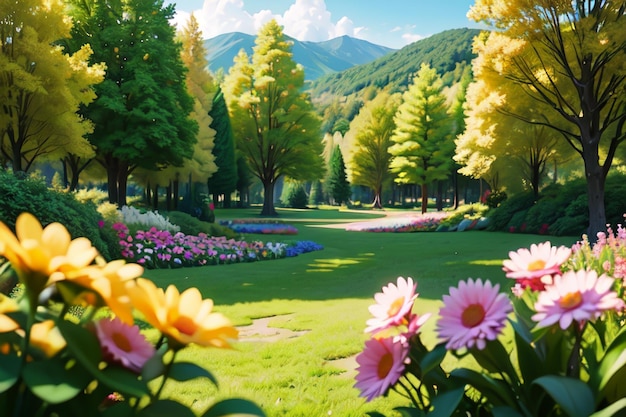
[(424, 198), (168, 196), (155, 197), (112, 180), (227, 200), (595, 193), (122, 181), (175, 192), (377, 204), (439, 195), (268, 199)]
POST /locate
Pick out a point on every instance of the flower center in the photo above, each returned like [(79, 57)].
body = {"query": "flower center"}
[(474, 314), (571, 300), (384, 365), (121, 341), (185, 325), (395, 307), (537, 265)]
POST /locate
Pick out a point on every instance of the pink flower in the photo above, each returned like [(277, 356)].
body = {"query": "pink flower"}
[(576, 296), (472, 314), (381, 364), (123, 344), (535, 267), (392, 304)]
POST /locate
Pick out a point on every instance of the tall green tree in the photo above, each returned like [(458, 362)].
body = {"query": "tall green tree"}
[(224, 181), (569, 57), (42, 85), (372, 129), (276, 128), (337, 181), (141, 115), (423, 142)]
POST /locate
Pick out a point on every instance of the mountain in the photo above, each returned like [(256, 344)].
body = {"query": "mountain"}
[(449, 52), (317, 58)]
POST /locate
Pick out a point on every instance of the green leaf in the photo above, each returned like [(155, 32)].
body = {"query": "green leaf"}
[(120, 409), (495, 359), (613, 363), (409, 412), (84, 345), (529, 362), (9, 371), (234, 406), (505, 411), (611, 410), (166, 408), (185, 371), (154, 367), (445, 404), (572, 395), (54, 381), (497, 391), (433, 358)]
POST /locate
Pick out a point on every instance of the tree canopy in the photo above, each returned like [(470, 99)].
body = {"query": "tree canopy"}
[(276, 128)]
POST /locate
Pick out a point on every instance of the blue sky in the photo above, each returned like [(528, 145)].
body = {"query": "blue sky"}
[(392, 23)]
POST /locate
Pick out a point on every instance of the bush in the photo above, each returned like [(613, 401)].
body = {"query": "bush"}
[(190, 225), (500, 217), (294, 195), (31, 194), (494, 199), (467, 211)]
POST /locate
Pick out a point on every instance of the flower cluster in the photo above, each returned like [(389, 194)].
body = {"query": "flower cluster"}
[(425, 223), (160, 249), (564, 354), (133, 216), (264, 227), (70, 346)]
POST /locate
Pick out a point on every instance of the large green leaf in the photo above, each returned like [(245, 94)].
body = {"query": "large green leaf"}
[(9, 371), (234, 406), (54, 380), (445, 404), (498, 392), (433, 358), (166, 408), (505, 411), (185, 371), (612, 365), (573, 396), (611, 410)]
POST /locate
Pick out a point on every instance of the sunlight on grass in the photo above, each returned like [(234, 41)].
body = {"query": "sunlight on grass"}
[(329, 265), (487, 262)]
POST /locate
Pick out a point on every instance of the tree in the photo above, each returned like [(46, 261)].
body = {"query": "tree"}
[(224, 181), (42, 85), (337, 182), (276, 128), (569, 57), (141, 115), (372, 129), (423, 146)]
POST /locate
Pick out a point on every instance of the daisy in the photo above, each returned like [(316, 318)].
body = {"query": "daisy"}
[(472, 314), (381, 364), (576, 296), (534, 268), (392, 304), (123, 344)]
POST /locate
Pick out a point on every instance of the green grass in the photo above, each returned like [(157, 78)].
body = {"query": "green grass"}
[(326, 293)]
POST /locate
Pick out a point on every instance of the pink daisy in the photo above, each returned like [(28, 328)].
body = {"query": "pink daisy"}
[(534, 268), (392, 305), (472, 314), (576, 296), (381, 364), (123, 344)]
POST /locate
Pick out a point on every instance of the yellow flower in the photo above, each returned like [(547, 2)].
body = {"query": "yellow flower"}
[(7, 305), (42, 256), (47, 337), (109, 281), (183, 317)]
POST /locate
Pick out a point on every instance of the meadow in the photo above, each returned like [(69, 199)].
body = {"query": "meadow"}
[(324, 297)]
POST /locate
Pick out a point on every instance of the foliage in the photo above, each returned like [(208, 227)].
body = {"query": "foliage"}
[(467, 211), (423, 142), (42, 85), (495, 198), (82, 353), (190, 225), (137, 219), (32, 195), (337, 183), (564, 355), (141, 113), (276, 129), (316, 195), (559, 55), (224, 181), (443, 51), (294, 194), (501, 216)]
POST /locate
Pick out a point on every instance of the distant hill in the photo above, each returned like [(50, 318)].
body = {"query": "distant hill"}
[(317, 58), (449, 52)]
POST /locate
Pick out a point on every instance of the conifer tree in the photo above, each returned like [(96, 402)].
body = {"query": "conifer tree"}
[(337, 182)]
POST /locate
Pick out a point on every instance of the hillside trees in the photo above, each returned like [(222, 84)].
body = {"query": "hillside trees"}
[(42, 85), (276, 128), (423, 143), (371, 132), (141, 114), (337, 184), (569, 57)]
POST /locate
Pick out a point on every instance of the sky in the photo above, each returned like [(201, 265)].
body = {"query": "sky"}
[(391, 23)]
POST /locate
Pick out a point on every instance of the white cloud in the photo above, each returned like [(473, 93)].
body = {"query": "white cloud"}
[(411, 37), (305, 20)]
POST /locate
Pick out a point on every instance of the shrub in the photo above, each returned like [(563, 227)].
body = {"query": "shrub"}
[(466, 211), (494, 199), (135, 220), (190, 225), (294, 195), (500, 217)]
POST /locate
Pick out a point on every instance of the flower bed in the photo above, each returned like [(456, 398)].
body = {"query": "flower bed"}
[(424, 223), (264, 227), (162, 249)]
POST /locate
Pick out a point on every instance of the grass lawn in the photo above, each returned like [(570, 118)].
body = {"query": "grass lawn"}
[(326, 294)]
